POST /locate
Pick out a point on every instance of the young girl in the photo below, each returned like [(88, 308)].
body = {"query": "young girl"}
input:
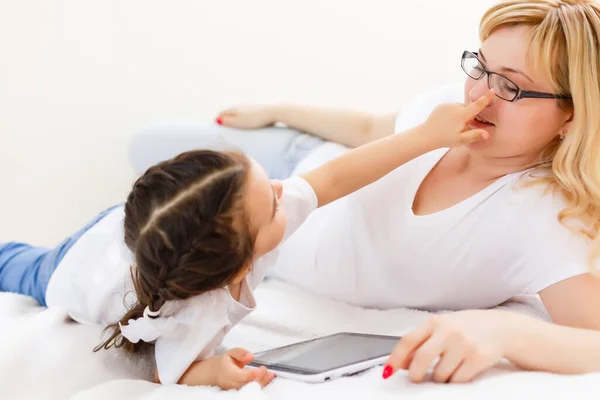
[(200, 232)]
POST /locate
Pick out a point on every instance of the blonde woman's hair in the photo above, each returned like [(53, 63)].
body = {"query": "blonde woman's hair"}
[(565, 46)]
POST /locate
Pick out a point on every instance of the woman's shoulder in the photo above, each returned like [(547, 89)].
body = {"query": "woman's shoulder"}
[(532, 189), (534, 202)]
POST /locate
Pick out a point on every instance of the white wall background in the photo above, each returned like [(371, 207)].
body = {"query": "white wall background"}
[(79, 77)]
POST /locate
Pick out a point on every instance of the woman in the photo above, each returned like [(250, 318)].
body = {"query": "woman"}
[(469, 227)]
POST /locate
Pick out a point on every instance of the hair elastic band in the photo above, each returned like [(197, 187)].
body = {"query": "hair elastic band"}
[(149, 313)]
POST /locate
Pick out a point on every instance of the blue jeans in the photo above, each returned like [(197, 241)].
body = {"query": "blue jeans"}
[(278, 150), (27, 269)]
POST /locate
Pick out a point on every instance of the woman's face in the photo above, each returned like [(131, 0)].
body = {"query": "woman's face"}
[(521, 129)]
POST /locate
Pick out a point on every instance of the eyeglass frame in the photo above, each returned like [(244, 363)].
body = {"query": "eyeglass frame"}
[(521, 94)]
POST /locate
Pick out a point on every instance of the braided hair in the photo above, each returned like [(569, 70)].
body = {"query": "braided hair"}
[(186, 225)]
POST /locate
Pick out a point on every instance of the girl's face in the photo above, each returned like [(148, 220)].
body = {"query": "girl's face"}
[(267, 218)]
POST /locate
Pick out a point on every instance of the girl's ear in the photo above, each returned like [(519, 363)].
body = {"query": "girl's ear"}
[(242, 274)]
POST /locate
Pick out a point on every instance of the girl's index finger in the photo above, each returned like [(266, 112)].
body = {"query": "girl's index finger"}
[(478, 105)]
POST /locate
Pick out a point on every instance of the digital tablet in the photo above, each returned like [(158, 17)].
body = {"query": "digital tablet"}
[(328, 357)]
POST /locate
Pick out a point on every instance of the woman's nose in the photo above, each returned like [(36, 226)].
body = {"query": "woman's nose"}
[(479, 88)]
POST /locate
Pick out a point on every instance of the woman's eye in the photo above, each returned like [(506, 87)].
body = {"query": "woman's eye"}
[(505, 86)]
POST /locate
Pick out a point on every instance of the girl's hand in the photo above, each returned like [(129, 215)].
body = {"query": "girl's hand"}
[(229, 373), (448, 124), (466, 342), (246, 117)]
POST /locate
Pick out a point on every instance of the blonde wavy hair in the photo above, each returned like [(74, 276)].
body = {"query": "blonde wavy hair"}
[(565, 47)]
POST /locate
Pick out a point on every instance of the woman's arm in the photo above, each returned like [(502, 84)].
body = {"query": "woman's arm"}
[(468, 343), (574, 302), (350, 128), (541, 346)]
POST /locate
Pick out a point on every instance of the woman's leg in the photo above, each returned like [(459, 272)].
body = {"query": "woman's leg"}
[(278, 150), (27, 269)]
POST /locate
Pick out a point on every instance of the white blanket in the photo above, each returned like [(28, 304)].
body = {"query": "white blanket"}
[(45, 356)]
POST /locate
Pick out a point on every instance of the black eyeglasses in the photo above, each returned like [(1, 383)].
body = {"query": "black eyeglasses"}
[(505, 88)]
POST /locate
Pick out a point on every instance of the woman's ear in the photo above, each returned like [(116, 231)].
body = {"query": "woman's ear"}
[(564, 130)]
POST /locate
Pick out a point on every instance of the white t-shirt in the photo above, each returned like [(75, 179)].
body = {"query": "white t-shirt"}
[(369, 249), (93, 278)]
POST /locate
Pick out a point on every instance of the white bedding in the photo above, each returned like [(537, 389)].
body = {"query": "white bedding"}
[(45, 356)]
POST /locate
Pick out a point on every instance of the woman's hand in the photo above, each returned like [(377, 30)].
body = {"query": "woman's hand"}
[(466, 342), (449, 124), (226, 371), (247, 117)]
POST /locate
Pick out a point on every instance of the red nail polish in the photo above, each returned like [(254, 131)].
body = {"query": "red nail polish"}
[(387, 371), (219, 121)]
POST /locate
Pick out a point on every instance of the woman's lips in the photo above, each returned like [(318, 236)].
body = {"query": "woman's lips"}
[(480, 125)]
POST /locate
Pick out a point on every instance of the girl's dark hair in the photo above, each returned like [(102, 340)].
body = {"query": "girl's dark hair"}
[(187, 227)]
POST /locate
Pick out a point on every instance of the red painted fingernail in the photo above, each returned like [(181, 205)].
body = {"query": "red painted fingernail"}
[(387, 371), (219, 121)]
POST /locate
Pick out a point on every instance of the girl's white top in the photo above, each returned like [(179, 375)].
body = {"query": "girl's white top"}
[(93, 284)]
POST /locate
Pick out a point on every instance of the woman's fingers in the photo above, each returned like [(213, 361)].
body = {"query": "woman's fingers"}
[(451, 359), (228, 112), (469, 369), (225, 117), (403, 352), (426, 355)]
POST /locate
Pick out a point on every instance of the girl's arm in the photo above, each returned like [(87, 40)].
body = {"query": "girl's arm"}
[(446, 127), (366, 164)]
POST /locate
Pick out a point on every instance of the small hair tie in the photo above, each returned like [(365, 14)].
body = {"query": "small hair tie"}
[(148, 328), (149, 313)]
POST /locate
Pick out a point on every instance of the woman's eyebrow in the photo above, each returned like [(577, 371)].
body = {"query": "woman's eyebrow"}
[(506, 69)]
